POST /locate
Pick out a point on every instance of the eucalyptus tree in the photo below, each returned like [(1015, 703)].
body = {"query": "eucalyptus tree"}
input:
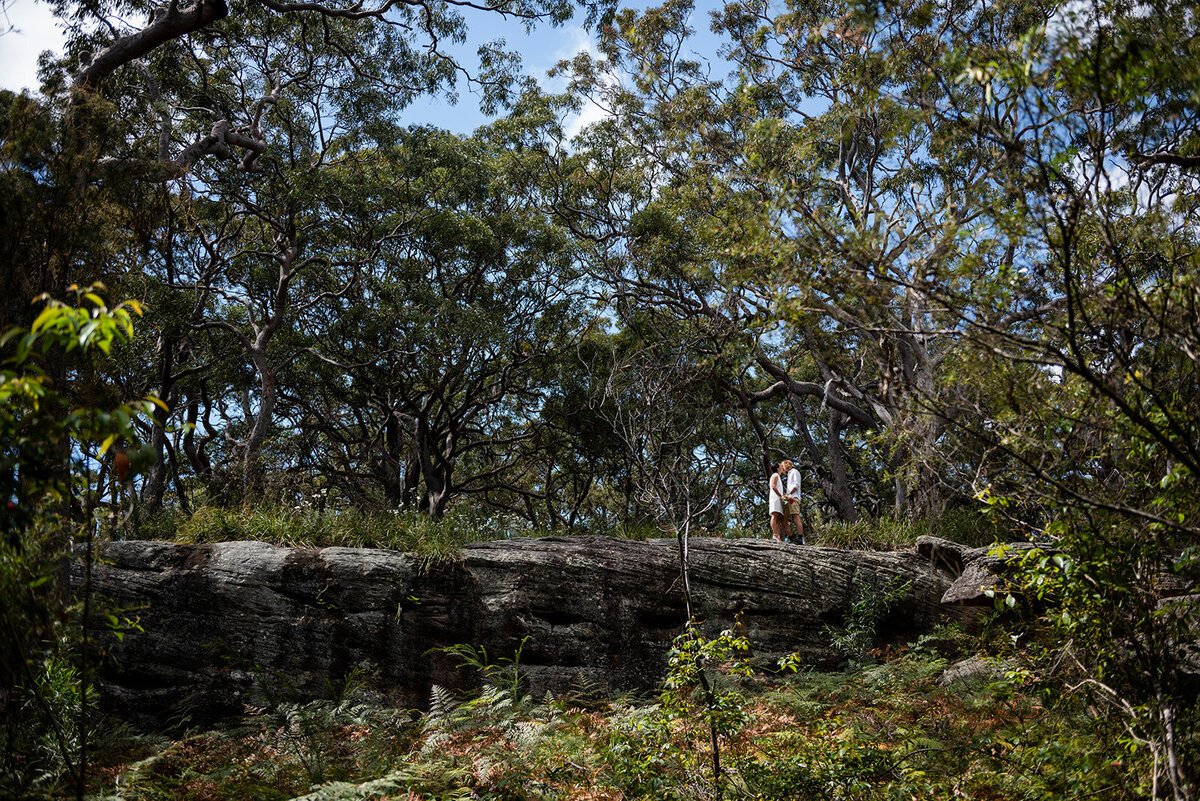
[(405, 55), (878, 201), (1094, 113), (439, 357), (1093, 110), (249, 245), (832, 200), (669, 228), (241, 110)]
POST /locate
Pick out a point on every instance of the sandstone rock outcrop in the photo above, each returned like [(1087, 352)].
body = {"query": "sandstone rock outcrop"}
[(221, 622), (975, 571)]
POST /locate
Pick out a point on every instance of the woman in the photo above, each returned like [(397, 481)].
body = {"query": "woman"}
[(778, 502)]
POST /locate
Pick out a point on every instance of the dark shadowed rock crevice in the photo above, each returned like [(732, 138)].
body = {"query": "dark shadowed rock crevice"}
[(225, 623)]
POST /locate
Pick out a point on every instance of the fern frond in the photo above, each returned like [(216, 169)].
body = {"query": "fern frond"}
[(442, 705), (450, 784), (526, 735), (433, 742), (483, 768)]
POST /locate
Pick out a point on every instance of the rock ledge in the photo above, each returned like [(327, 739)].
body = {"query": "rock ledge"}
[(223, 623)]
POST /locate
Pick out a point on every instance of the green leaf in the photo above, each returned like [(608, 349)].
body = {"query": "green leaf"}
[(86, 333), (43, 319)]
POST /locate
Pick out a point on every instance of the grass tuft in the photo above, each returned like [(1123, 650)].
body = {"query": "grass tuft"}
[(965, 526), (418, 533), (410, 532)]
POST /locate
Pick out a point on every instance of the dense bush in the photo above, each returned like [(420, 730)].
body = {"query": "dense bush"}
[(883, 731)]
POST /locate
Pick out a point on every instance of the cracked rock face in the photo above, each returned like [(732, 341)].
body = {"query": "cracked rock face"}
[(233, 623)]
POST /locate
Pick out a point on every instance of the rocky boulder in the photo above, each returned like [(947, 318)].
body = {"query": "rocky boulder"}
[(975, 669), (975, 571), (226, 624)]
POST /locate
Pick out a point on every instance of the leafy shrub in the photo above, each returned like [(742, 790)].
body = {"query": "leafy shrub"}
[(640, 754), (821, 772), (62, 460), (698, 683), (871, 603), (875, 732), (782, 779)]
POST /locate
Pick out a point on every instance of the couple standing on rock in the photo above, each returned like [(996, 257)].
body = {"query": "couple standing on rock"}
[(785, 502)]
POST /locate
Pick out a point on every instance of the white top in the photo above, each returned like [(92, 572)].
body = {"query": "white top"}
[(773, 497), (793, 483)]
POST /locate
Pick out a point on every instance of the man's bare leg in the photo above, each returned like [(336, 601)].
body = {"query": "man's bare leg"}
[(798, 526)]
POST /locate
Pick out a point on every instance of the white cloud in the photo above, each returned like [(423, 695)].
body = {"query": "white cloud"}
[(1080, 19), (576, 40), (591, 113), (27, 28)]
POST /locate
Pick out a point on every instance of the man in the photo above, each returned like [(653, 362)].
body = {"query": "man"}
[(792, 510)]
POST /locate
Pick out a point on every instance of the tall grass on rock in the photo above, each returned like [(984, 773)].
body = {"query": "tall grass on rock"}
[(971, 527), (411, 532)]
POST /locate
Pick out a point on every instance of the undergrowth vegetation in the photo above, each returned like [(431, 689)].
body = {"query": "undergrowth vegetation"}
[(415, 532), (966, 526), (888, 730), (412, 532)]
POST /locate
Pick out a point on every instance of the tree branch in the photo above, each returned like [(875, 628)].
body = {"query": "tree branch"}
[(167, 22), (1144, 160)]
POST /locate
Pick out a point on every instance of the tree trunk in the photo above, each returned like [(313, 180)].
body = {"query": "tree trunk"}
[(832, 480), (260, 424), (394, 489), (412, 479), (435, 472), (841, 496), (156, 477)]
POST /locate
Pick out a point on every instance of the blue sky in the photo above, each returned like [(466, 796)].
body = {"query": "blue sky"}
[(27, 27)]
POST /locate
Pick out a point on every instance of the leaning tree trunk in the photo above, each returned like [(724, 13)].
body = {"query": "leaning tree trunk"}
[(839, 482), (261, 421)]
